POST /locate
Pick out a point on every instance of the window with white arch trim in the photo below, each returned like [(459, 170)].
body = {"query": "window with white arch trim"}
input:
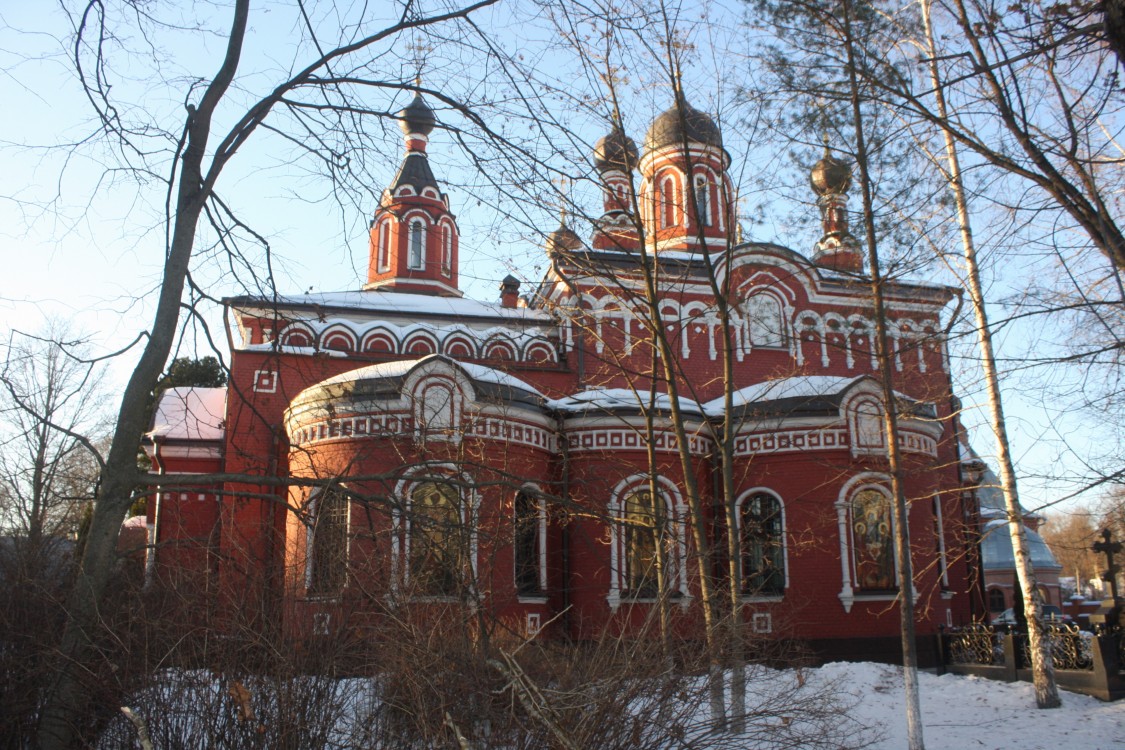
[(529, 543), (702, 194), (446, 249), (667, 202), (326, 571), (384, 263), (765, 321), (873, 547), (437, 540), (761, 535), (416, 249), (648, 547)]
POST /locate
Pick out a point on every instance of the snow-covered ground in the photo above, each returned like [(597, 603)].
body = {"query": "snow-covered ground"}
[(966, 713)]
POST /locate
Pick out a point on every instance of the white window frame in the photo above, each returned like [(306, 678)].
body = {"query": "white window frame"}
[(416, 249), (744, 498), (676, 580), (534, 492)]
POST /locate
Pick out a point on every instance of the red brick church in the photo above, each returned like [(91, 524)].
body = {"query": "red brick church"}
[(420, 451)]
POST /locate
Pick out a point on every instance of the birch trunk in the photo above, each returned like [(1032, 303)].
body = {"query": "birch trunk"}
[(1042, 664)]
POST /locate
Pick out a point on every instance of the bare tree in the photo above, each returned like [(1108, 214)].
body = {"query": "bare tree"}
[(331, 81), (49, 401)]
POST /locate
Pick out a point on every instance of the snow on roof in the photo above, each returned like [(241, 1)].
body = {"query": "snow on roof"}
[(187, 413), (807, 386), (400, 368), (401, 302), (135, 522), (616, 398), (804, 386)]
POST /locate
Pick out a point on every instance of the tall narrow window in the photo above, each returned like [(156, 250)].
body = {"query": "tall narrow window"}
[(645, 528), (873, 545), (528, 545), (763, 545), (435, 539), (384, 246), (703, 200), (996, 601), (667, 202), (417, 245), (328, 544), (446, 249)]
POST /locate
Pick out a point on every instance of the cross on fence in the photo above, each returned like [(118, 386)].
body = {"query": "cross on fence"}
[(1109, 548)]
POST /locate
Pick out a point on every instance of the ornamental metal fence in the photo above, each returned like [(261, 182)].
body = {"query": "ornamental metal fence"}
[(1085, 662)]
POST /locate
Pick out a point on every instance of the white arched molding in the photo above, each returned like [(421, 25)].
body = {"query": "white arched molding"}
[(438, 395), (784, 541), (865, 412), (676, 575), (810, 321), (766, 320), (869, 480), (536, 492), (297, 330), (402, 515)]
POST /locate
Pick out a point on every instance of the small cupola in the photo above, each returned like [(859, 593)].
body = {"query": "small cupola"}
[(414, 236), (837, 249), (563, 240), (615, 158), (686, 196)]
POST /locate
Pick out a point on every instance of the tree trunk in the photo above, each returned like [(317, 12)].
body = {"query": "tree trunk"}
[(67, 698), (1042, 665), (890, 416)]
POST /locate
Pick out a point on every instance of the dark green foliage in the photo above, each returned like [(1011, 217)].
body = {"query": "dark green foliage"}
[(205, 372)]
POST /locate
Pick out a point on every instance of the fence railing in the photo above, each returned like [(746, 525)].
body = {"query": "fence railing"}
[(1084, 662)]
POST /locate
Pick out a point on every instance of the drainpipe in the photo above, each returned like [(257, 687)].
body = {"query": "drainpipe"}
[(564, 493), (154, 532)]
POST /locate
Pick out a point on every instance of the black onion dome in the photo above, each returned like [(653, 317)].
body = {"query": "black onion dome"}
[(667, 128), (615, 151), (564, 238), (417, 117), (830, 176)]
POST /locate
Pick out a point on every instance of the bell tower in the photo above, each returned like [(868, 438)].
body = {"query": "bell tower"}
[(414, 236)]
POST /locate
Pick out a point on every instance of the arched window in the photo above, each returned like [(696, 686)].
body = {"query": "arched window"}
[(646, 532), (384, 246), (446, 249), (703, 200), (996, 602), (436, 540), (417, 254), (765, 320), (761, 534), (872, 542), (667, 203), (327, 567), (528, 544)]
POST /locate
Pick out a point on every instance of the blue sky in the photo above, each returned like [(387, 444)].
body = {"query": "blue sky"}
[(85, 245)]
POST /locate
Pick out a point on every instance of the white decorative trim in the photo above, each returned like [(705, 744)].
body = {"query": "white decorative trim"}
[(742, 498), (627, 438), (676, 570), (401, 519), (265, 381), (790, 441)]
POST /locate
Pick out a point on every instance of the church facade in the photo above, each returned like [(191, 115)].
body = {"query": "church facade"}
[(419, 451)]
